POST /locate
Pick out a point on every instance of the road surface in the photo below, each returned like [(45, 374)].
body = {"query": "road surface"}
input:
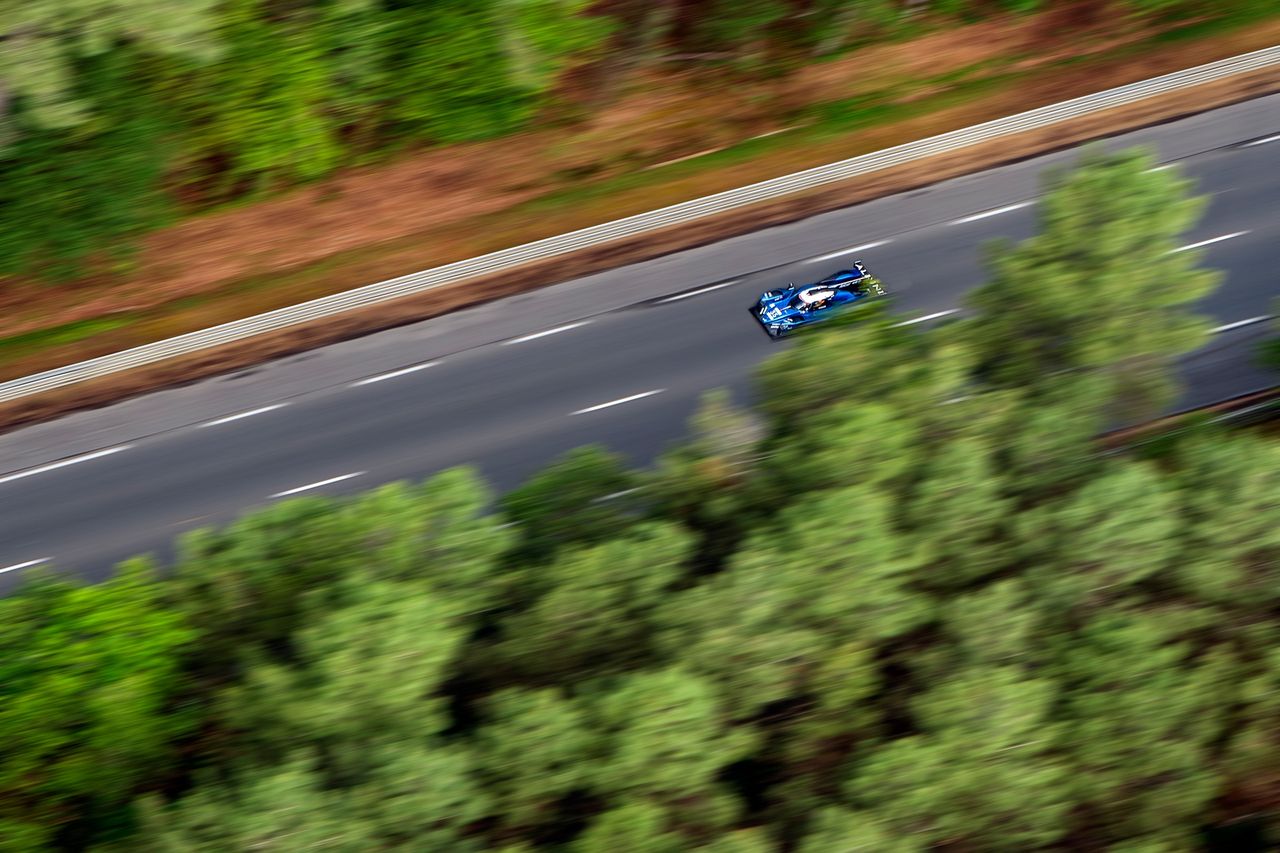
[(618, 358)]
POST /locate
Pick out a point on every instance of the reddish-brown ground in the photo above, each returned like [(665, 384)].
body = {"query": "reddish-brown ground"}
[(433, 196)]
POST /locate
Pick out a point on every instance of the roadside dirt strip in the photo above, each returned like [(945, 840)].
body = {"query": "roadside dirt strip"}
[(473, 291)]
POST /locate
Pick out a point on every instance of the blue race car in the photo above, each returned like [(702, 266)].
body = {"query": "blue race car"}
[(784, 311)]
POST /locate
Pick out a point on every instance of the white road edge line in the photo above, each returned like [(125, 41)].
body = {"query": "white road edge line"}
[(1275, 138), (229, 418), (850, 251), (999, 210), (393, 374), (1210, 241), (1239, 323), (697, 292), (928, 317), (339, 479), (536, 335), (97, 454), (600, 406), (28, 564)]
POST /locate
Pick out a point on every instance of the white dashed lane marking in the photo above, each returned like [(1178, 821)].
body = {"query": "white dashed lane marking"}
[(310, 486), (229, 418), (557, 330), (698, 292), (393, 374), (1210, 241), (999, 210), (612, 496), (850, 250), (97, 454), (28, 564), (1241, 323), (1275, 138), (928, 317), (619, 402)]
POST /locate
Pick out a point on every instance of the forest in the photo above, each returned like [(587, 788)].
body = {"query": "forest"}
[(903, 602), (119, 117)]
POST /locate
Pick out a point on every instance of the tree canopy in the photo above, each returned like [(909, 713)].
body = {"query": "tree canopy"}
[(907, 604)]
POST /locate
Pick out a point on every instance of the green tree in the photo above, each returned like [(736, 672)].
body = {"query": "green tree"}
[(762, 629), (836, 715), (1230, 496), (535, 747), (577, 499), (998, 624), (869, 444), (353, 36), (982, 773), (278, 810), (665, 738), (594, 609), (741, 841), (1101, 288), (1093, 546), (251, 585), (1269, 350), (1049, 436), (958, 514), (440, 532), (712, 481), (421, 797), (1143, 717), (544, 38), (467, 70), (739, 27), (637, 826), (261, 112), (853, 579), (74, 198), (90, 701), (838, 830), (369, 672), (869, 359), (243, 587), (1250, 761), (38, 36), (1142, 713)]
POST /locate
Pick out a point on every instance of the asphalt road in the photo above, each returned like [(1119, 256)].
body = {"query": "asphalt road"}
[(618, 358)]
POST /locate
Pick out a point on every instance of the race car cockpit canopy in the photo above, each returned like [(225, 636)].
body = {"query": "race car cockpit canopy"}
[(813, 295)]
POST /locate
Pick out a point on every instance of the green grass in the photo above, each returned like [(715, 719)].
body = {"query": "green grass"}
[(19, 346), (1222, 22)]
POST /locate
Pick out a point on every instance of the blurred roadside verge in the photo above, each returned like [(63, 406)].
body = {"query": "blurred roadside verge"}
[(652, 243), (1252, 409)]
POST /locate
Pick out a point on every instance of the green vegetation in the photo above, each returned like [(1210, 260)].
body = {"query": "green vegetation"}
[(1269, 350), (906, 605), (113, 115)]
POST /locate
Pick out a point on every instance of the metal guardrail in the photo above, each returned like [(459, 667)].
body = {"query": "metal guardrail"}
[(396, 288)]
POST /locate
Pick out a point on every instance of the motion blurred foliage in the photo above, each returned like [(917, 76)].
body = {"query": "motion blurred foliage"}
[(908, 605), (113, 112), (1103, 284)]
